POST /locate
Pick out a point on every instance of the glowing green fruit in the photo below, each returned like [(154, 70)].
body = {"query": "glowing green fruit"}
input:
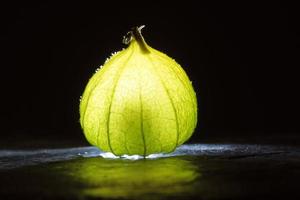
[(140, 102)]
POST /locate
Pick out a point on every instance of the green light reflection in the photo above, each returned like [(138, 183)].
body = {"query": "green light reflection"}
[(115, 178)]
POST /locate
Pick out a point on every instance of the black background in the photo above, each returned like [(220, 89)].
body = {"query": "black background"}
[(241, 57)]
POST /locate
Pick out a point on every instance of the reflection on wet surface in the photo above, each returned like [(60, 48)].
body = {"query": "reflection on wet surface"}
[(125, 178), (105, 178), (228, 171)]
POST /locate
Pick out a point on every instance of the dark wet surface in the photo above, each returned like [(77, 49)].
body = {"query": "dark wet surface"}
[(194, 171)]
